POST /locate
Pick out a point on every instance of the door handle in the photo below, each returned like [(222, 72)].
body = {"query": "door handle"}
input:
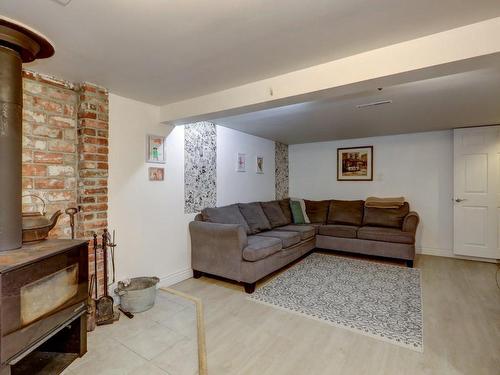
[(458, 200)]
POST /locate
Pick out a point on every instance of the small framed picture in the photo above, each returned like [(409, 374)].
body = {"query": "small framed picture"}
[(241, 163), (155, 149), (156, 174), (355, 164), (259, 163)]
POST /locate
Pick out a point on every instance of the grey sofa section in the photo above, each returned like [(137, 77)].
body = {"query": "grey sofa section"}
[(222, 242), (259, 248), (288, 239), (305, 231)]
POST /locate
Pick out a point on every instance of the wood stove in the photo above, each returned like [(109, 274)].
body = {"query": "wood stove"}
[(43, 285), (43, 305)]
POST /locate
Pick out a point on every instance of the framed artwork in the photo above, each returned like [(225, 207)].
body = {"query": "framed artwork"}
[(156, 174), (355, 164), (155, 149), (241, 163), (259, 163)]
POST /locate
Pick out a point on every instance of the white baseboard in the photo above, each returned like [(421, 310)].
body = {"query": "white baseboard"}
[(165, 281), (448, 253), (176, 277)]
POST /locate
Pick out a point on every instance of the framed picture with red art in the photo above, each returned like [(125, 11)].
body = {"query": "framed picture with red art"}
[(355, 163)]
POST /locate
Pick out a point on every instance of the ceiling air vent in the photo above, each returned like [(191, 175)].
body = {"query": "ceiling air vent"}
[(373, 104), (62, 2)]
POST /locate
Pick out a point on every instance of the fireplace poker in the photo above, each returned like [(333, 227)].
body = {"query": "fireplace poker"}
[(95, 263), (112, 245)]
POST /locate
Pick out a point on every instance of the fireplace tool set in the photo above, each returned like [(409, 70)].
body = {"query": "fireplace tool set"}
[(102, 309)]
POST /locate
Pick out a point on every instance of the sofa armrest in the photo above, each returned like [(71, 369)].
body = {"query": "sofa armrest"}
[(217, 248), (410, 222)]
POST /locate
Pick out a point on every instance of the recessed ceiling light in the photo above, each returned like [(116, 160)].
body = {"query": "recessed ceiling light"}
[(373, 104)]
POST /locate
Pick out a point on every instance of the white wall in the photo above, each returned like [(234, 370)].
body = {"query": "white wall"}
[(246, 186), (149, 219), (151, 227), (418, 166)]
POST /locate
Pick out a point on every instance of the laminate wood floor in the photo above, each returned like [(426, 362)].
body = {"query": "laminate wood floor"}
[(461, 305)]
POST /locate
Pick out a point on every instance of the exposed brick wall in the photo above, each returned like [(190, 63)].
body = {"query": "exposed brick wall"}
[(65, 154), (93, 167), (49, 146)]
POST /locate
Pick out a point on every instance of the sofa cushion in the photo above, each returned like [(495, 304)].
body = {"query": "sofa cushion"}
[(260, 248), (316, 226), (285, 207), (385, 234), (274, 213), (224, 215), (337, 230), (287, 238), (306, 231), (298, 215), (255, 217), (345, 212), (317, 211), (386, 217)]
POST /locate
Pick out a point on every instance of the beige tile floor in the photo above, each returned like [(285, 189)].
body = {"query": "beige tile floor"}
[(160, 341), (461, 306)]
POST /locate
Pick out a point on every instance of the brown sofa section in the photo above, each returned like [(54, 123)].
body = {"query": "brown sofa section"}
[(317, 211), (345, 212), (247, 242)]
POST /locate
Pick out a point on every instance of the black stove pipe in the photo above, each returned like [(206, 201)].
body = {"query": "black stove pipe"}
[(18, 44)]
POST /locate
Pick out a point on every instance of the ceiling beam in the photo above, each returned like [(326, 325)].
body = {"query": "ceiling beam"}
[(411, 60)]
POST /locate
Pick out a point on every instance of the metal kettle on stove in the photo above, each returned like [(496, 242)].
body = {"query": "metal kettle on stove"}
[(37, 225)]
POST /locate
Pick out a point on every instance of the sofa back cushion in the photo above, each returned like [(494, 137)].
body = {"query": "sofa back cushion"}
[(224, 215), (386, 217), (274, 213), (255, 217), (285, 207), (317, 211), (346, 212)]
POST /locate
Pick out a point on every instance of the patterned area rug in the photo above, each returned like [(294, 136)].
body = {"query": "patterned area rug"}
[(378, 300)]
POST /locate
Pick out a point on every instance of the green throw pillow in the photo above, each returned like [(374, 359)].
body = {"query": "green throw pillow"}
[(298, 216)]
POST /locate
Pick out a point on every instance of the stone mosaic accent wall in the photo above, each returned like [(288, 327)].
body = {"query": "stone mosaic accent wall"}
[(200, 166), (65, 154), (281, 172)]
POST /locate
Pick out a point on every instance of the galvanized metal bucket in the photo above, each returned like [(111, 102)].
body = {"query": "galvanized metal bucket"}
[(137, 294)]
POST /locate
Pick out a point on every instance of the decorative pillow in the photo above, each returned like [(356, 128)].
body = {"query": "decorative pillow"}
[(224, 215), (285, 207), (298, 216), (317, 211), (274, 213), (255, 217), (386, 217), (303, 207), (346, 212)]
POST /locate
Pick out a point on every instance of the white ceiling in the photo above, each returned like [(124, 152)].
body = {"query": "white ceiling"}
[(463, 99), (162, 51)]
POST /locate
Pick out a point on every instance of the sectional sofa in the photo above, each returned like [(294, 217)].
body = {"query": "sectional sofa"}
[(247, 241)]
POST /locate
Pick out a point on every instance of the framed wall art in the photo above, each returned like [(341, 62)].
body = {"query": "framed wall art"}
[(259, 164), (155, 149), (241, 163), (156, 174), (355, 164)]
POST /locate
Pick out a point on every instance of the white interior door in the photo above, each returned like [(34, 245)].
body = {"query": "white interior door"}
[(476, 197)]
